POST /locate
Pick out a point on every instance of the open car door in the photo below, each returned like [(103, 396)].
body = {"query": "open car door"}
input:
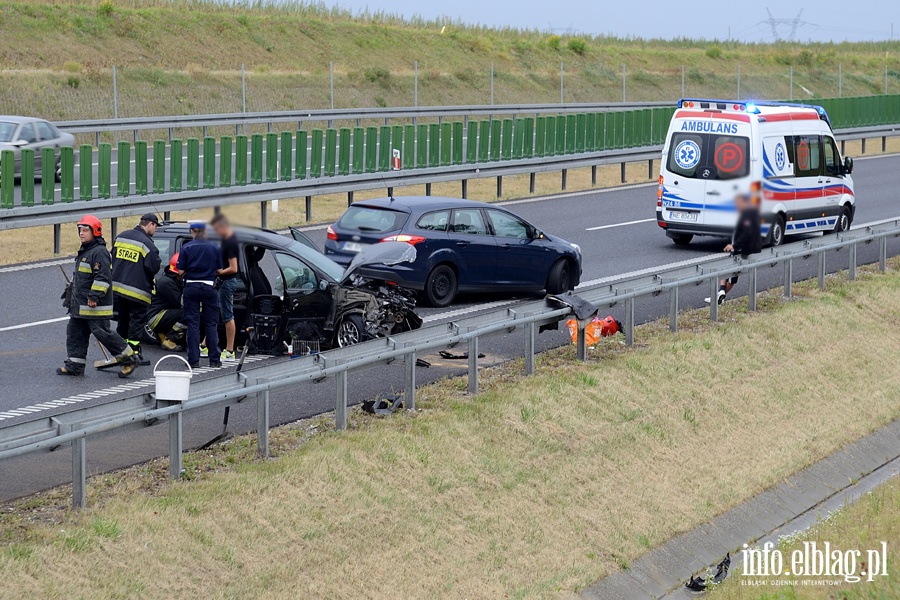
[(301, 237)]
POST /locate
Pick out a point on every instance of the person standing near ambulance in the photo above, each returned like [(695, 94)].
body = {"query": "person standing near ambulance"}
[(134, 267), (89, 300), (198, 263), (231, 250)]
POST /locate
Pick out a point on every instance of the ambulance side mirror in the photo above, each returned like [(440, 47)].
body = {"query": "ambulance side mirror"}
[(848, 165)]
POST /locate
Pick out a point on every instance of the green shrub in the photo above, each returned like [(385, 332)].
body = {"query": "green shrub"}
[(695, 76), (806, 58), (578, 46), (105, 8), (553, 42), (73, 82), (378, 75), (72, 67), (714, 52)]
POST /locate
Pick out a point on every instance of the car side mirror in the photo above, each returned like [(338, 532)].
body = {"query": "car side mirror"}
[(323, 285), (848, 165), (19, 143)]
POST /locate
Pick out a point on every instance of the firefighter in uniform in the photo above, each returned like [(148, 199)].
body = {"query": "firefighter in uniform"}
[(90, 303), (134, 265), (166, 317)]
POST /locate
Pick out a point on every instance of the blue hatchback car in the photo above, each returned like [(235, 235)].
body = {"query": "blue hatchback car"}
[(461, 245)]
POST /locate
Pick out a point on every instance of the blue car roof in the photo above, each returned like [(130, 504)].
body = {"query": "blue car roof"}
[(420, 203)]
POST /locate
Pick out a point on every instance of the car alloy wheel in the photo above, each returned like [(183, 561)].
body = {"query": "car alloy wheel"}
[(349, 333)]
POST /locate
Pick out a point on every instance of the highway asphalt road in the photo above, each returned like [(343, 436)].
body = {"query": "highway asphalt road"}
[(616, 229)]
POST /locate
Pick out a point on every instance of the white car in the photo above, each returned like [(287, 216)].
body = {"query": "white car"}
[(17, 133)]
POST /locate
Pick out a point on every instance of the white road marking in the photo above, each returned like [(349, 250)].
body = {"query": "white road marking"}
[(464, 311), (40, 265), (33, 324), (619, 224), (49, 405)]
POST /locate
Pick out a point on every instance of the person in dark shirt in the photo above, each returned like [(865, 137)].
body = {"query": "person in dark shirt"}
[(198, 263), (746, 240), (228, 274)]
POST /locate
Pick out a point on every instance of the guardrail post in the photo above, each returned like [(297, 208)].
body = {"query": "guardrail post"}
[(673, 310), (85, 172), (114, 228), (650, 169), (409, 394), (751, 296), (175, 434), (529, 348), (465, 189), (713, 300), (27, 176), (159, 165), (350, 196), (140, 168), (340, 406), (852, 271), (581, 344), (209, 162), (123, 178), (882, 255), (104, 168), (67, 177), (863, 149), (629, 322), (884, 143), (176, 167), (788, 278), (193, 164), (821, 271), (623, 172), (48, 175), (531, 182), (473, 365), (499, 186), (263, 220), (308, 209), (593, 174), (565, 173), (262, 425), (79, 473), (225, 161), (57, 234)]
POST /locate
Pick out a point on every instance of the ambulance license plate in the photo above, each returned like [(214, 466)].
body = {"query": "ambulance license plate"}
[(682, 216)]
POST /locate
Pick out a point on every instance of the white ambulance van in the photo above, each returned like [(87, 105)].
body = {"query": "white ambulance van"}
[(717, 149)]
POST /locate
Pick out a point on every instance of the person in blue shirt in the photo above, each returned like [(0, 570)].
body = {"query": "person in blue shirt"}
[(197, 264)]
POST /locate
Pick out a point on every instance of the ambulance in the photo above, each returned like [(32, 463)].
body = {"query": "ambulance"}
[(786, 153)]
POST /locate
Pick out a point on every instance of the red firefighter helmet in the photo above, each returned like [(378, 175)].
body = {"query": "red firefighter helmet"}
[(609, 326), (173, 262), (92, 222)]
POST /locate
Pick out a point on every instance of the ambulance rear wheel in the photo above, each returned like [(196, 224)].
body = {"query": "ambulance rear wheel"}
[(843, 220), (681, 239), (776, 231)]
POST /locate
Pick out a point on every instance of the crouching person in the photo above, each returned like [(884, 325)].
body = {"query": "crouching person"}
[(166, 317), (90, 304)]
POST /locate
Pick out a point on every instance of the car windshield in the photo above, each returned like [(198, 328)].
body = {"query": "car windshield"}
[(6, 131), (318, 260), (371, 219)]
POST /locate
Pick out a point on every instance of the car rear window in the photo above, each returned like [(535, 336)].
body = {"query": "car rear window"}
[(372, 219), (709, 156)]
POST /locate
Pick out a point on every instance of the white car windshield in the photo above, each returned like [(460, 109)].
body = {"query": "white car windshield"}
[(6, 131)]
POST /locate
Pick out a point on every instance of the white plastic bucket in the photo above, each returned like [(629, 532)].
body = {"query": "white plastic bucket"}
[(174, 386)]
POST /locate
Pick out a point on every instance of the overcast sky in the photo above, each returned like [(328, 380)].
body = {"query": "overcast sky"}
[(825, 20)]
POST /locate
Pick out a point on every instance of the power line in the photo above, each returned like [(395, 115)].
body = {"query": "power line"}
[(794, 24)]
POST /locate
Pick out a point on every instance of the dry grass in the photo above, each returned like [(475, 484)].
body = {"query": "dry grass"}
[(533, 487), (36, 243), (861, 526)]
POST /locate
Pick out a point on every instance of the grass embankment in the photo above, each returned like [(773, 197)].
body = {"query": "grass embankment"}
[(863, 526), (36, 243), (532, 487), (185, 57)]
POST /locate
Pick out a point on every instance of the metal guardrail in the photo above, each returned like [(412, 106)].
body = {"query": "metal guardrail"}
[(410, 113), (65, 212), (256, 382)]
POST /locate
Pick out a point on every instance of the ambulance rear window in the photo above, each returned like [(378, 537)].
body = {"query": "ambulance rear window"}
[(709, 156)]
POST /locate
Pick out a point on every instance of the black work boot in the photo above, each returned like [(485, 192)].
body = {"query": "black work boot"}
[(129, 364), (70, 372)]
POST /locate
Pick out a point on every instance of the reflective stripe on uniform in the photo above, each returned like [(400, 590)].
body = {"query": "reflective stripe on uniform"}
[(99, 286), (95, 311), (132, 245), (131, 292), (84, 267), (155, 320), (75, 359)]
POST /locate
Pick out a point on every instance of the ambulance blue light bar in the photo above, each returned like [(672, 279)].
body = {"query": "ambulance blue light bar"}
[(819, 109)]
